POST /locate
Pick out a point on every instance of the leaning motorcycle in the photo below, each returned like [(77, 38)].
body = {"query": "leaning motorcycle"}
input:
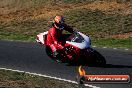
[(76, 49)]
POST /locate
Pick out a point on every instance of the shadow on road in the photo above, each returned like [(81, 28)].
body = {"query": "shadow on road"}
[(116, 66), (106, 66), (129, 54)]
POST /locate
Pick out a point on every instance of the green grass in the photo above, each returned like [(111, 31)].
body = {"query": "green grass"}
[(24, 4), (11, 79), (16, 5), (111, 42), (100, 26), (97, 23), (17, 37), (22, 31)]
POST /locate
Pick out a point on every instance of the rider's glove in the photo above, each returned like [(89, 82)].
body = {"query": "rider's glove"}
[(60, 46), (75, 33)]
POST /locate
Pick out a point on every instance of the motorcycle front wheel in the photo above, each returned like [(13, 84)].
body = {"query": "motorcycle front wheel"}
[(58, 58), (49, 51)]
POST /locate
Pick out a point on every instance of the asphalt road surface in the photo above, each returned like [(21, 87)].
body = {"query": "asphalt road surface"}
[(31, 57)]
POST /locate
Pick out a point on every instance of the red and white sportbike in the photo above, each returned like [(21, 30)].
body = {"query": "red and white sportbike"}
[(76, 49)]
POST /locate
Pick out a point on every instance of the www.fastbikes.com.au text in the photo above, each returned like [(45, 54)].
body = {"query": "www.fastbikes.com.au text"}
[(107, 78)]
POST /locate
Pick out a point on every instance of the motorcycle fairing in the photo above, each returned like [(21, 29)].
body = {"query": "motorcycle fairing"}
[(41, 37), (84, 44)]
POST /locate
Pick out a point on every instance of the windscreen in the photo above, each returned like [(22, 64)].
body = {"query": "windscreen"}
[(75, 38)]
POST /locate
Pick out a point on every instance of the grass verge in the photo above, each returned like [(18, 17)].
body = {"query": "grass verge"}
[(11, 79), (101, 42), (99, 24), (16, 37), (113, 42)]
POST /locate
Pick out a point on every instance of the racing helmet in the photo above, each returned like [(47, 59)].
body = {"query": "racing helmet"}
[(58, 22)]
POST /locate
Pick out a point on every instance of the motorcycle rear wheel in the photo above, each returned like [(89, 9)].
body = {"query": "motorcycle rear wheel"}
[(95, 58), (99, 59)]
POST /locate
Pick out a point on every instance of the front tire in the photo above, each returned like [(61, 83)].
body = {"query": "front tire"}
[(49, 52)]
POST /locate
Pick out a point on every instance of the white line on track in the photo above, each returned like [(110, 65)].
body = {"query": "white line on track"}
[(126, 49), (70, 81), (94, 46), (115, 48), (104, 47)]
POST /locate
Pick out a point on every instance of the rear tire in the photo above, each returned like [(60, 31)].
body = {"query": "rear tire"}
[(95, 58)]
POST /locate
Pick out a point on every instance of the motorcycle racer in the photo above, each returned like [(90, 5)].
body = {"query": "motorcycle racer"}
[(70, 48), (55, 34)]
